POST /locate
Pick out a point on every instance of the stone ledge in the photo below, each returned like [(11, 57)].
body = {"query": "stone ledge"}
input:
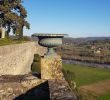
[(29, 87), (60, 90), (13, 86)]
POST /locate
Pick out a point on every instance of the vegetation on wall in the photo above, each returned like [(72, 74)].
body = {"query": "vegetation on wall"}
[(36, 65)]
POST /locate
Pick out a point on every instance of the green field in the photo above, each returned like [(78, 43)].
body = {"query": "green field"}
[(105, 96), (8, 41), (87, 75)]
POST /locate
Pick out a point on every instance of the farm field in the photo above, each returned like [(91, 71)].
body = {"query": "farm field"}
[(105, 96), (87, 75), (95, 51), (89, 78)]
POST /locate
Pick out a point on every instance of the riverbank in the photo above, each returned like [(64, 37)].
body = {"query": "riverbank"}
[(84, 63)]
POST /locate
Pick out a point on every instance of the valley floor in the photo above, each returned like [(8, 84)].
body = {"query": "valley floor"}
[(94, 80), (98, 88)]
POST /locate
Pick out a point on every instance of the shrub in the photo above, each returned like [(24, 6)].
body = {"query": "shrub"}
[(36, 65), (69, 77)]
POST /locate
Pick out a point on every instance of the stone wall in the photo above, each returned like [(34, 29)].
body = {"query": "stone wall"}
[(29, 87), (16, 59)]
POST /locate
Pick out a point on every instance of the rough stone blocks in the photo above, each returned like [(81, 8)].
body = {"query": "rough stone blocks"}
[(51, 67)]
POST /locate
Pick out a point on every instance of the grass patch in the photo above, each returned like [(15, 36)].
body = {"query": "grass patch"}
[(9, 41), (87, 75), (105, 96), (84, 75)]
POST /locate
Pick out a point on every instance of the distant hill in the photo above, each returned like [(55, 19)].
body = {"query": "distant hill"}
[(83, 40), (70, 40)]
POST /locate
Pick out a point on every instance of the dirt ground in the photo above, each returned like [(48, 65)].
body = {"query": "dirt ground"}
[(98, 88)]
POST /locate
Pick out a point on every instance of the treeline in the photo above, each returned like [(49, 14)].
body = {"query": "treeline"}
[(13, 17)]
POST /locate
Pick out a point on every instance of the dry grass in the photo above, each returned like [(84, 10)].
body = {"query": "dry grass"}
[(98, 88)]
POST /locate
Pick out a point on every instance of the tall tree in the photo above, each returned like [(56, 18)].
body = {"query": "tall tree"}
[(13, 16)]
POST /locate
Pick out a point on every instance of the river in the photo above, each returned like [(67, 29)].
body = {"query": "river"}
[(87, 63)]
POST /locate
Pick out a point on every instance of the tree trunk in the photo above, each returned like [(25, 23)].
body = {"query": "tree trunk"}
[(21, 33), (7, 34), (8, 31)]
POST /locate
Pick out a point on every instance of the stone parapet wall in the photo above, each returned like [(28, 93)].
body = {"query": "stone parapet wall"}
[(29, 87), (14, 87), (16, 59)]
